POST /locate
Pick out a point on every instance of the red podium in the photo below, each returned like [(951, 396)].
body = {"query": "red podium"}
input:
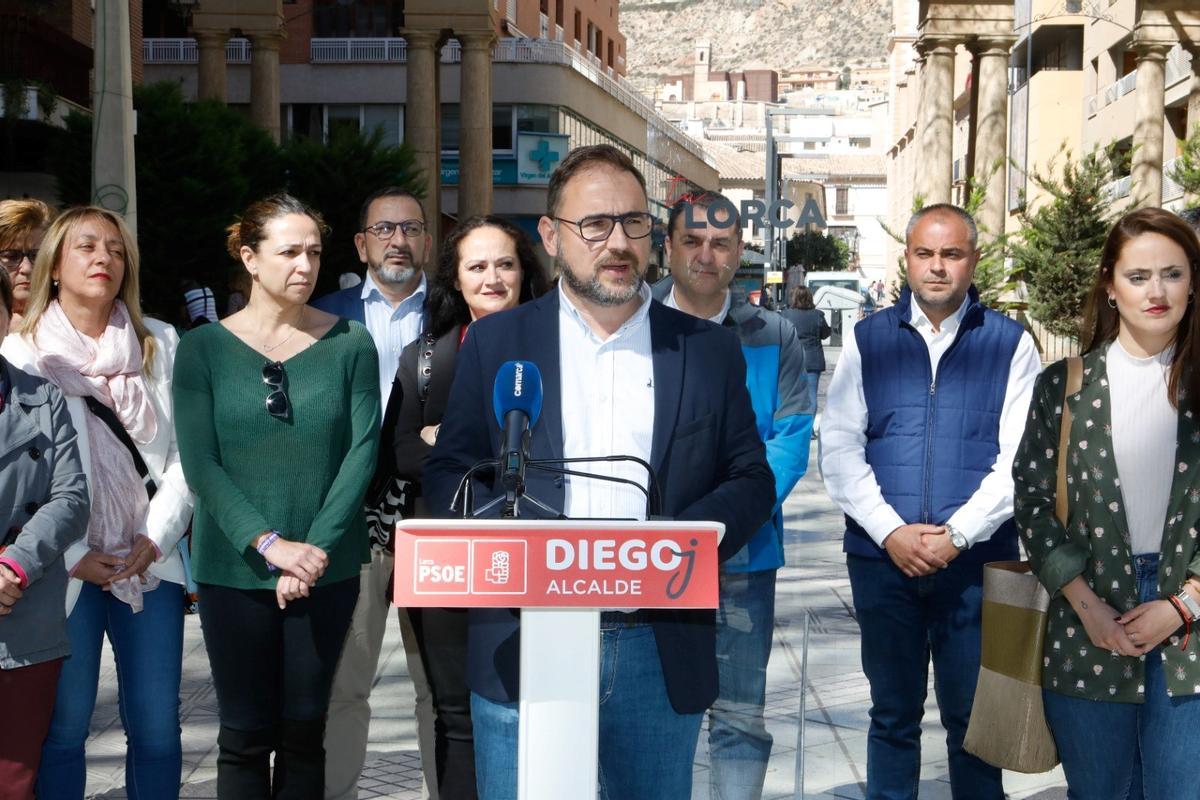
[(561, 574)]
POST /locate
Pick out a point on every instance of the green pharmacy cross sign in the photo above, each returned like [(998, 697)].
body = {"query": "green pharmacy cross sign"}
[(538, 154)]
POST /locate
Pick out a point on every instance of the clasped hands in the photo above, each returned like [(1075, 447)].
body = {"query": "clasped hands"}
[(300, 566), (920, 549), (104, 569), (1134, 633)]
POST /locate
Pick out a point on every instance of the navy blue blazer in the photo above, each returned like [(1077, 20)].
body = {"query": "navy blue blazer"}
[(346, 303), (705, 448)]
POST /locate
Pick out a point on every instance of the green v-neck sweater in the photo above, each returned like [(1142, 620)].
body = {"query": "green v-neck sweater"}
[(303, 475)]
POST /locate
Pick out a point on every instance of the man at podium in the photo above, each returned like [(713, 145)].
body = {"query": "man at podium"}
[(621, 375)]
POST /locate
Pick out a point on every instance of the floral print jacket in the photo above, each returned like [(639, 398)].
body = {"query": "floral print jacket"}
[(1095, 543)]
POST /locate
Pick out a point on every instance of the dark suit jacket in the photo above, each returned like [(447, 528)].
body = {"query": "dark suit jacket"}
[(705, 449), (811, 327), (347, 303)]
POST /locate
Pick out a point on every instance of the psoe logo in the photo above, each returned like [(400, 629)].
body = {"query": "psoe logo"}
[(498, 566), (441, 566)]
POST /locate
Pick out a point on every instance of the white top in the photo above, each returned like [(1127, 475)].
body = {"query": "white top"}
[(392, 328), (1144, 431), (673, 302), (851, 482), (607, 409)]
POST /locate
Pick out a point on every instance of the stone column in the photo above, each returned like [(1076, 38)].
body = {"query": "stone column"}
[(1193, 114), (475, 129), (935, 136), (264, 82), (1148, 128), (972, 129), (422, 120), (211, 48), (990, 124), (113, 176)]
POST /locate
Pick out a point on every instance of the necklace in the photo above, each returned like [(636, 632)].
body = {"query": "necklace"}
[(266, 348)]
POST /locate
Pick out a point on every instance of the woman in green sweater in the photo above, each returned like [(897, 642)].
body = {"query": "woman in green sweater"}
[(278, 418)]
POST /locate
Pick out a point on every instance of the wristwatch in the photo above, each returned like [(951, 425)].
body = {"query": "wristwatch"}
[(957, 539), (1189, 603)]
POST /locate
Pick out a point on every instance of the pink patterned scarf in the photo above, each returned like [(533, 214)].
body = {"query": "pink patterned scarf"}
[(110, 370)]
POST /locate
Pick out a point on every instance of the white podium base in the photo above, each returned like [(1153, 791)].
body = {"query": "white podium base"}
[(558, 745)]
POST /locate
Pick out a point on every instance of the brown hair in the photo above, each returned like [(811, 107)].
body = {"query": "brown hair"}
[(250, 229), (447, 307), (19, 218), (801, 297), (41, 291), (583, 158), (1101, 322)]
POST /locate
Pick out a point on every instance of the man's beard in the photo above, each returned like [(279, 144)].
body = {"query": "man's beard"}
[(596, 292), (397, 274)]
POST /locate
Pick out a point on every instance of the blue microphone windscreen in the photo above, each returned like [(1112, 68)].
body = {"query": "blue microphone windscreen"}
[(518, 386)]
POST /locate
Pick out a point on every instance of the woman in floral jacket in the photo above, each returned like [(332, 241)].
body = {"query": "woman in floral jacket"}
[(1120, 676)]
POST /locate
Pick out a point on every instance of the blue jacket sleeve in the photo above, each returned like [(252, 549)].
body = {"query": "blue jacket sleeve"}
[(791, 429)]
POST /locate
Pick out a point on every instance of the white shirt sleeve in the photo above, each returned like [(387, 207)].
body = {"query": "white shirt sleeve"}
[(848, 477), (992, 502)]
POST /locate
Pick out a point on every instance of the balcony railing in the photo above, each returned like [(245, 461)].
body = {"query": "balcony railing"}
[(558, 33), (543, 26), (1179, 66), (510, 12), (1171, 189), (184, 51), (1118, 189), (357, 51)]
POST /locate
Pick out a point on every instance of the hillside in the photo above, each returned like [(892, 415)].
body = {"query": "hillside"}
[(749, 34)]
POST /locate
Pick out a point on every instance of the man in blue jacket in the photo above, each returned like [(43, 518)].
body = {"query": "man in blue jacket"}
[(925, 412), (704, 250), (621, 375)]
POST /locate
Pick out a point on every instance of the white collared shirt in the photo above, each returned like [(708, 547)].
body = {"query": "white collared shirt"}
[(850, 480), (607, 409), (392, 328), (673, 302)]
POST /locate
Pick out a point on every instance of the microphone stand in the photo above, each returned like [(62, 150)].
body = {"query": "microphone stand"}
[(511, 498)]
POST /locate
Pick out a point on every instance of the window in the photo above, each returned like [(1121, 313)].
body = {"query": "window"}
[(609, 60), (450, 126), (861, 142), (843, 200), (341, 117), (385, 117), (591, 39), (536, 119), (502, 128), (361, 18), (558, 12), (578, 26)]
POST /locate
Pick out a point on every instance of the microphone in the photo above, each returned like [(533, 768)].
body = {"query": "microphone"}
[(517, 404)]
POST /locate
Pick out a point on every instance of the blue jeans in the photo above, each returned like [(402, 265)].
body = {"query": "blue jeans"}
[(814, 381), (1147, 749), (904, 621), (738, 742), (646, 747), (148, 649)]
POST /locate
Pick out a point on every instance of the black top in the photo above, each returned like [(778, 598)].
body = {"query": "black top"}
[(811, 327), (406, 414)]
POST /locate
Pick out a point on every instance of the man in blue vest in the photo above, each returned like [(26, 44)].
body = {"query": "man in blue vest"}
[(925, 410), (704, 250)]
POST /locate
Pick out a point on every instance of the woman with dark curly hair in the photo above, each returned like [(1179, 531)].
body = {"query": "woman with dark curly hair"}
[(487, 265)]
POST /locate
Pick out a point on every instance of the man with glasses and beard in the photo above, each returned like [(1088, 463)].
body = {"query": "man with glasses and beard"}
[(622, 375), (394, 244)]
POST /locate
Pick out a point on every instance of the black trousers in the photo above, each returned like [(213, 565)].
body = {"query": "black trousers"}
[(442, 640), (272, 671)]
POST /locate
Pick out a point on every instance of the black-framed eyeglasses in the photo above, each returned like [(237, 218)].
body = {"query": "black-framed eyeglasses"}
[(598, 227), (277, 400), (385, 229), (11, 259)]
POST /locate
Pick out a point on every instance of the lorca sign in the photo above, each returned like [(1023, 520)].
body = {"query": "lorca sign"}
[(510, 563)]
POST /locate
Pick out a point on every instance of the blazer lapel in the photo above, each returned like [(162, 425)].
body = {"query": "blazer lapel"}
[(667, 353), (1091, 463), (542, 344)]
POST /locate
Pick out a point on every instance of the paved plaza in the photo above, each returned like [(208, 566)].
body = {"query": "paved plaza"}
[(813, 586)]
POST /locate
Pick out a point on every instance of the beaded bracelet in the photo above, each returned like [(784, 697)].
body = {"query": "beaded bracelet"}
[(266, 542)]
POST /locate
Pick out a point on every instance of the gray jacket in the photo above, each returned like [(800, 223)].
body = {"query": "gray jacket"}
[(44, 508)]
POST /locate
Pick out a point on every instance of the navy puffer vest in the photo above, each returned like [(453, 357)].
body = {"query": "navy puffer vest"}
[(931, 445)]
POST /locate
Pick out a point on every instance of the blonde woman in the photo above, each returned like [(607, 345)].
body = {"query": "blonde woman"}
[(22, 226), (84, 331)]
